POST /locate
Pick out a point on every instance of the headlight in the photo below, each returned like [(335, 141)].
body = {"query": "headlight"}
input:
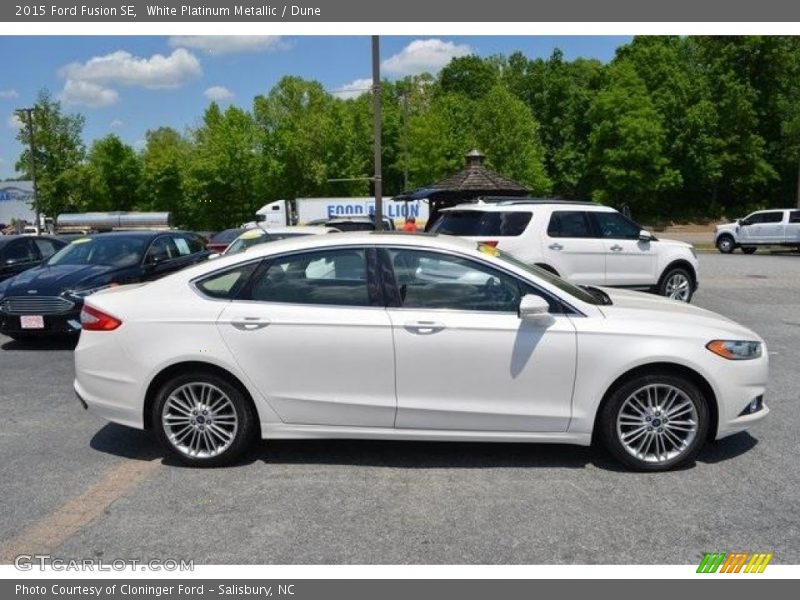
[(735, 349)]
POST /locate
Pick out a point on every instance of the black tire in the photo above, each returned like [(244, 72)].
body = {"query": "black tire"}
[(726, 244), (607, 421), (749, 249), (241, 407), (666, 281)]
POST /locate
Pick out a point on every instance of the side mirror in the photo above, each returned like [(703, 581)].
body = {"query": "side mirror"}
[(533, 307), (645, 236)]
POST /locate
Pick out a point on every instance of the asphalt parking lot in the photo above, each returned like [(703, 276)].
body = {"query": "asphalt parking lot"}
[(74, 486)]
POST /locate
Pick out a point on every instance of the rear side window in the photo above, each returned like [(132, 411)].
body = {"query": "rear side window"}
[(794, 216), (482, 223), (226, 285), (331, 277), (569, 224), (772, 217)]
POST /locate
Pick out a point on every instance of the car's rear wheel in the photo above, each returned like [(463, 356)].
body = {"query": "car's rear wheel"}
[(677, 284), (749, 249), (203, 420), (725, 244), (654, 422)]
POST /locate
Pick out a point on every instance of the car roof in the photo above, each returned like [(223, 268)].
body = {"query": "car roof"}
[(309, 229), (523, 205), (133, 233), (5, 239)]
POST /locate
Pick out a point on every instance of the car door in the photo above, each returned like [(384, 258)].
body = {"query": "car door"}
[(464, 359), (162, 257), (630, 261), (17, 256), (573, 249), (750, 228), (312, 335), (772, 228)]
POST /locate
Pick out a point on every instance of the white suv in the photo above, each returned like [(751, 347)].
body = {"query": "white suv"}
[(583, 242)]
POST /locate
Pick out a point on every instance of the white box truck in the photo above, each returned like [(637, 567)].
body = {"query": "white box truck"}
[(303, 211)]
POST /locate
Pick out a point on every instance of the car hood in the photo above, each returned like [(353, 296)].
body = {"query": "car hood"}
[(671, 314), (53, 280), (676, 243)]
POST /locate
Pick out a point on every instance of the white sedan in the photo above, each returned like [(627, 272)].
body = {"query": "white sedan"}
[(398, 336)]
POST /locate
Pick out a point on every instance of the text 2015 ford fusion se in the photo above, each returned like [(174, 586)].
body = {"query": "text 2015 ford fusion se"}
[(411, 337)]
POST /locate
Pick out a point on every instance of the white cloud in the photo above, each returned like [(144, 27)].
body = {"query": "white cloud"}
[(218, 93), (353, 89), (9, 94), (228, 44), (423, 56), (116, 124), (85, 93), (14, 122), (123, 68)]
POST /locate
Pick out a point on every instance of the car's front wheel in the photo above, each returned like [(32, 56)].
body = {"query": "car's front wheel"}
[(725, 244), (677, 284), (203, 420), (654, 422)]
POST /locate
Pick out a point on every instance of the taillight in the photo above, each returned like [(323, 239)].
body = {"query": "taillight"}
[(492, 243), (93, 319)]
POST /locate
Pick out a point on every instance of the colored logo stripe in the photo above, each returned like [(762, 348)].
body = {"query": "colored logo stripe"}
[(734, 562)]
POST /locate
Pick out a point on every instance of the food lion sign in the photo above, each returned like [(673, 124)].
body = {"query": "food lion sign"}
[(16, 201)]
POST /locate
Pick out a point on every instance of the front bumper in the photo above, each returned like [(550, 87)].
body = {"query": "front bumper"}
[(57, 324)]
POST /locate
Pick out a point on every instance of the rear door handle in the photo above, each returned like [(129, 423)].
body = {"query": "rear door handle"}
[(556, 246), (250, 323), (616, 248), (424, 327)]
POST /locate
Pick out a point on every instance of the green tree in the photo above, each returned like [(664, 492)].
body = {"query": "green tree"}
[(164, 164), (505, 130), (626, 155), (113, 171), (58, 152), (470, 76)]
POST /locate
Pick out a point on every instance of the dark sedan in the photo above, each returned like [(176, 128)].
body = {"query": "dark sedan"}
[(19, 253), (47, 299)]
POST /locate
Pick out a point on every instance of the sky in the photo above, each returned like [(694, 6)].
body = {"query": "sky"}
[(128, 84)]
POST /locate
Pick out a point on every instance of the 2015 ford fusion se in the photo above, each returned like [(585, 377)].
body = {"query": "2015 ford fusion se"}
[(415, 337)]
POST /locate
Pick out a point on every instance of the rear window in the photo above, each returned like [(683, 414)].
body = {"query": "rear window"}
[(482, 223)]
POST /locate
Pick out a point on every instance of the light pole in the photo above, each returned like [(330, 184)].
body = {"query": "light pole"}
[(29, 114), (376, 127)]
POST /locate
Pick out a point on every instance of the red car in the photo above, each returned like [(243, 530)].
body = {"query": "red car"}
[(220, 241)]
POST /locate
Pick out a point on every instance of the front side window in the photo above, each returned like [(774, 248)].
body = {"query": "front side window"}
[(162, 249), (616, 226), (477, 223), (569, 224), (333, 277), (19, 251), (431, 280), (772, 217)]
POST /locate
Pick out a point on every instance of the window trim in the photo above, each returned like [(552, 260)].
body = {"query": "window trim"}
[(383, 251)]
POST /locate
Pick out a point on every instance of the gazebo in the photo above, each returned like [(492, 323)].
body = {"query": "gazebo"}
[(471, 182)]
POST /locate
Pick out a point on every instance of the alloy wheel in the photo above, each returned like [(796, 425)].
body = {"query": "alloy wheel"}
[(678, 287), (657, 423)]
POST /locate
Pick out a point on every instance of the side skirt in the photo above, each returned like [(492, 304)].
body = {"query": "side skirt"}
[(283, 431)]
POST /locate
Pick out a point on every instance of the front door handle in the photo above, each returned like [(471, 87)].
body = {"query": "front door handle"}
[(556, 246), (424, 327), (250, 323), (616, 248)]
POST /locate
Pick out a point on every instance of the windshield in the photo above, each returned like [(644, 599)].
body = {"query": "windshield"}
[(113, 251), (573, 290)]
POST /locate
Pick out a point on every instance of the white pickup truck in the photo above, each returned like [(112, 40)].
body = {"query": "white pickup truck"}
[(776, 227)]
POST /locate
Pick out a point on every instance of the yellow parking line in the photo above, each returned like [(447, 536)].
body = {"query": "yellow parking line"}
[(58, 526)]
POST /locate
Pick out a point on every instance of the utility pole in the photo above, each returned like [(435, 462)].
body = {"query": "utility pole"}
[(404, 97), (29, 114), (376, 127)]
